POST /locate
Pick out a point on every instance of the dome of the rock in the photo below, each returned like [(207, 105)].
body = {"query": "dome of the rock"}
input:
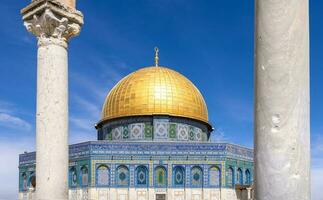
[(155, 91)]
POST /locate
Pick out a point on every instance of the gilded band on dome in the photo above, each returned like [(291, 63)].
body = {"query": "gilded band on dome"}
[(155, 91)]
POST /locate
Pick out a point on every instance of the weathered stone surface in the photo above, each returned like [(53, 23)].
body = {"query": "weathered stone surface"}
[(282, 145)]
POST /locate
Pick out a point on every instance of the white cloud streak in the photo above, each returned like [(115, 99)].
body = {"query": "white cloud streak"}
[(10, 120), (15, 122), (218, 135), (317, 183), (317, 167)]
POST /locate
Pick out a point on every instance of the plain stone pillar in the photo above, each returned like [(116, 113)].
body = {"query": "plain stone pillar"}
[(282, 123), (52, 121), (53, 23)]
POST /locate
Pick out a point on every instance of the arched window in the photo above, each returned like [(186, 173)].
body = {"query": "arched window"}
[(122, 176), (160, 176), (73, 176), (230, 177), (239, 177), (24, 181), (248, 177), (32, 181), (196, 176), (141, 176), (84, 175), (102, 175), (178, 176), (214, 176)]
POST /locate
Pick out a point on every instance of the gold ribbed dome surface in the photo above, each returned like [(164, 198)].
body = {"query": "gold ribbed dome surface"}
[(155, 91)]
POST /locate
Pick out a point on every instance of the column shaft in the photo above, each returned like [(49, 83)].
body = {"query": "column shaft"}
[(282, 131), (52, 123)]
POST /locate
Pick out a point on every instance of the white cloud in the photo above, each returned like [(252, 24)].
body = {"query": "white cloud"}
[(91, 108), (91, 87), (10, 121), (83, 120), (317, 167), (218, 135), (317, 183), (5, 107), (84, 124), (88, 98)]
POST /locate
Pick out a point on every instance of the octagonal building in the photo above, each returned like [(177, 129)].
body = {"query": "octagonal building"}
[(153, 144)]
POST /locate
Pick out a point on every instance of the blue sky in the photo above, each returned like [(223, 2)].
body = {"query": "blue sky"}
[(210, 42)]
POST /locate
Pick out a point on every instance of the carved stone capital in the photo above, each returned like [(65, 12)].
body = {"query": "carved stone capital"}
[(52, 22)]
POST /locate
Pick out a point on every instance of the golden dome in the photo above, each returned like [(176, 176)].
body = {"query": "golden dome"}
[(155, 91)]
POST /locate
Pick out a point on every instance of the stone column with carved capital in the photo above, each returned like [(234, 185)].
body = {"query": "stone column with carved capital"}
[(53, 23)]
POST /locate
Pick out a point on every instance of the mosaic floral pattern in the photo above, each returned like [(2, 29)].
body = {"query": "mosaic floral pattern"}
[(117, 133), (84, 175), (122, 177), (214, 176), (125, 133), (73, 176), (172, 130), (141, 175), (196, 176), (148, 130), (205, 170), (230, 177), (103, 175), (160, 176), (137, 131), (182, 132), (198, 134), (160, 130), (179, 176), (191, 133)]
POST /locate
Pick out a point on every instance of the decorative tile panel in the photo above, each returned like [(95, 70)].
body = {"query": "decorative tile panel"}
[(148, 131), (160, 129), (191, 133), (172, 130), (125, 133), (117, 133), (137, 131), (182, 132), (198, 134)]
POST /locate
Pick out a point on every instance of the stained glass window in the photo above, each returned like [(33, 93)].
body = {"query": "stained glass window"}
[(248, 177), (239, 177), (179, 176), (141, 175), (85, 175), (230, 177), (215, 176), (196, 176), (160, 176), (122, 176), (103, 175)]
